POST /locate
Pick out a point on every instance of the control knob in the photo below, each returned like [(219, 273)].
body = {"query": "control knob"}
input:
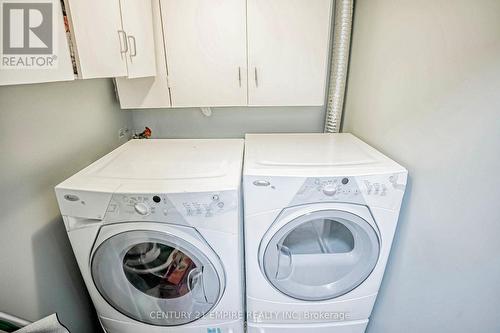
[(141, 208), (329, 190)]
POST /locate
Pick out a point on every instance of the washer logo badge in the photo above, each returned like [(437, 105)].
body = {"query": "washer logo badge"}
[(71, 197)]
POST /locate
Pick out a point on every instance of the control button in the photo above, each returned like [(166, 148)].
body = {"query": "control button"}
[(112, 208), (329, 190), (156, 199), (141, 208), (345, 181), (261, 183), (369, 187), (215, 197), (220, 205)]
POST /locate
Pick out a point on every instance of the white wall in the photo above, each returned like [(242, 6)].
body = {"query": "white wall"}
[(47, 133), (424, 88), (228, 122)]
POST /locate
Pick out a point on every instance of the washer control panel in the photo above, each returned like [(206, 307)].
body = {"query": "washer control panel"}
[(207, 208), (166, 207), (375, 188), (130, 206)]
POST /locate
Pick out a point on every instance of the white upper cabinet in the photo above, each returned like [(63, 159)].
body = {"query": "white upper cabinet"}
[(234, 53), (206, 51), (191, 53), (23, 74), (288, 44), (137, 17), (98, 38), (103, 46), (148, 92)]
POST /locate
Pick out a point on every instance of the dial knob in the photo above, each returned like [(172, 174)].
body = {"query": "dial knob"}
[(141, 208), (329, 190)]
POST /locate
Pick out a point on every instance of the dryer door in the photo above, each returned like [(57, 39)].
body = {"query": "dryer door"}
[(157, 277), (320, 255)]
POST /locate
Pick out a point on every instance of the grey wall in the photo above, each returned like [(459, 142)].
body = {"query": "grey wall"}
[(424, 88), (228, 122), (47, 133)]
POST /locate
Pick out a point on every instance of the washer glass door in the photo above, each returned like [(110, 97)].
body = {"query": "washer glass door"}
[(155, 277), (321, 255)]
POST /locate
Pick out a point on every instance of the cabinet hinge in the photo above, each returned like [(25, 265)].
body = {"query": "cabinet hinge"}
[(168, 82)]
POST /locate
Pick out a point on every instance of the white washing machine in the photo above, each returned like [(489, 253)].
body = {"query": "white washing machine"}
[(320, 215), (156, 228)]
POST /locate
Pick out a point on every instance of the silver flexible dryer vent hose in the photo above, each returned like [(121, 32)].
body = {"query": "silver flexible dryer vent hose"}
[(340, 61)]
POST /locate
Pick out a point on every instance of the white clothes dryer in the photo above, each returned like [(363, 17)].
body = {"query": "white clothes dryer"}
[(320, 216)]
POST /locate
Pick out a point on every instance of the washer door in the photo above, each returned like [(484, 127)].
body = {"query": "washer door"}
[(156, 277), (320, 255)]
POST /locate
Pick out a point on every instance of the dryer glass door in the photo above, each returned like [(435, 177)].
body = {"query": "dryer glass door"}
[(156, 278), (321, 255)]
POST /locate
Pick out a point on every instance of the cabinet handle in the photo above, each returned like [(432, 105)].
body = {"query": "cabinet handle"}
[(123, 41), (256, 77), (239, 75), (133, 53)]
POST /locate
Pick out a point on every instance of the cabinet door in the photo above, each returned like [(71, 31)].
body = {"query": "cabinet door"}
[(63, 71), (148, 92), (206, 51), (99, 39), (288, 42), (137, 17)]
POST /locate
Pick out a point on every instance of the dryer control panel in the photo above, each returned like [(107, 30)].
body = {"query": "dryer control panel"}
[(384, 191), (344, 189)]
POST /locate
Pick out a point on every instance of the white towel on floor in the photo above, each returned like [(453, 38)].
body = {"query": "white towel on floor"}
[(48, 324)]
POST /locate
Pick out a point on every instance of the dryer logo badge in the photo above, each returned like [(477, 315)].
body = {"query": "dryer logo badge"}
[(28, 34), (214, 330)]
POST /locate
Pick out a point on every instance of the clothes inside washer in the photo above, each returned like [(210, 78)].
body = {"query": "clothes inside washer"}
[(158, 270)]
